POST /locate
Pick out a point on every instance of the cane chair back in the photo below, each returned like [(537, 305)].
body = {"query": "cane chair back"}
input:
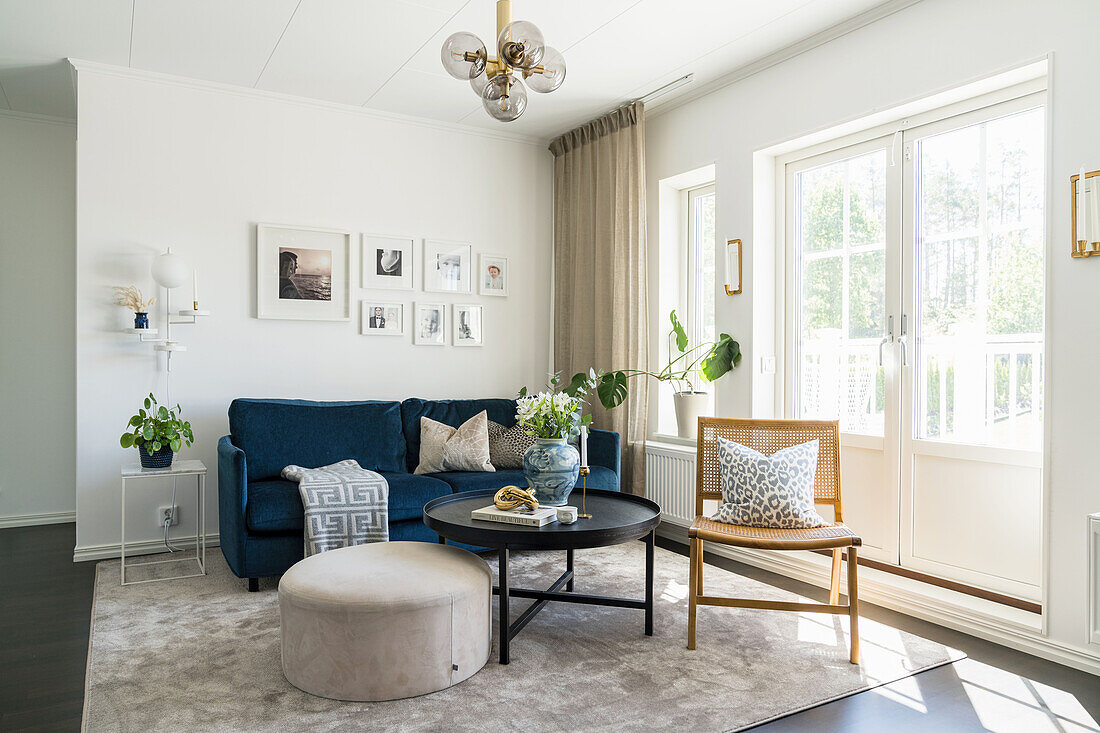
[(767, 437)]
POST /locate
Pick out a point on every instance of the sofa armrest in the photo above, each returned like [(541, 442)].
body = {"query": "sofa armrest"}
[(603, 449), (232, 494)]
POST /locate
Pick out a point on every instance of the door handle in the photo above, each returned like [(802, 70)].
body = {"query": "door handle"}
[(903, 340), (886, 339)]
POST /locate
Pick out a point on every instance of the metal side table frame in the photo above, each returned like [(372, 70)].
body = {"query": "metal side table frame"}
[(134, 471)]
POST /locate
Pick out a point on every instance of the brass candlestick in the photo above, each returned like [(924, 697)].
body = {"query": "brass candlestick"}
[(584, 494)]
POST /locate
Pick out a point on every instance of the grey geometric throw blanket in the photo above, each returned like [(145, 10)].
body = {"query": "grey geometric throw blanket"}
[(345, 505)]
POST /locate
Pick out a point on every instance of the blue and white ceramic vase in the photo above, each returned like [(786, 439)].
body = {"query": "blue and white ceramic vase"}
[(141, 320), (551, 466)]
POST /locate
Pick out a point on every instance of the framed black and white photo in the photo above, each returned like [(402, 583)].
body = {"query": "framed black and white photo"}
[(386, 262), (469, 325), (381, 319), (302, 273), (447, 266), (430, 324), (493, 275)]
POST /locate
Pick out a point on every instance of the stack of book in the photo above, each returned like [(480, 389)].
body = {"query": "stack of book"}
[(523, 516)]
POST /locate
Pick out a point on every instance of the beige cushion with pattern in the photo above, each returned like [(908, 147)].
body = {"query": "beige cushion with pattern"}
[(385, 620), (443, 448)]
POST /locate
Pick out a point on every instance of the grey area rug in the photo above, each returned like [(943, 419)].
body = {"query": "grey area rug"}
[(202, 654)]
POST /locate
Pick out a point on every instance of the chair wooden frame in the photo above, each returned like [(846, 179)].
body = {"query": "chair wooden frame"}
[(769, 436)]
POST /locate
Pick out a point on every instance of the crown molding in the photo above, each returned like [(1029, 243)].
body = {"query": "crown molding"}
[(41, 119), (786, 53), (94, 67)]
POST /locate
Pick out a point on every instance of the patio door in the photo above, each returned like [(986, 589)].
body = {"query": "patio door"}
[(915, 282)]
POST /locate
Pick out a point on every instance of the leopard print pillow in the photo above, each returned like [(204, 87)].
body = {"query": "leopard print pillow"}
[(768, 491), (507, 445)]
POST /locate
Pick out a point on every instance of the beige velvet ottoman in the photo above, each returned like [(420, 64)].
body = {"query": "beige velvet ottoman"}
[(385, 620)]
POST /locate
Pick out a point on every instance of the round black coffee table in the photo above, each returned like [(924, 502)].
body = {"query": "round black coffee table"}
[(616, 518)]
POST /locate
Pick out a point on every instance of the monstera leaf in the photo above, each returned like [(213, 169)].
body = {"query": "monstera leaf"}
[(611, 389), (678, 329), (723, 356)]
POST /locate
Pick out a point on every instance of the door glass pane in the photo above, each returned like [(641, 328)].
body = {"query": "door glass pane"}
[(842, 300), (980, 283)]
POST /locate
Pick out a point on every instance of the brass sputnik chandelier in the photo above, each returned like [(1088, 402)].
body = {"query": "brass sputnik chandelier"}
[(520, 52)]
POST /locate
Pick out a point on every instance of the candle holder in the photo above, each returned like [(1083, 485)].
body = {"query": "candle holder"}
[(584, 471)]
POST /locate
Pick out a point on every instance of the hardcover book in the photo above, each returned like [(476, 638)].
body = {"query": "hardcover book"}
[(537, 518)]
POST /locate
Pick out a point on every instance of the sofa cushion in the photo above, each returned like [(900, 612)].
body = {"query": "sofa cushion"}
[(276, 433), (600, 478), (448, 412), (276, 506)]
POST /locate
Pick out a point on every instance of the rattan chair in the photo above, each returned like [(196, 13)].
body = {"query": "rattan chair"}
[(769, 436)]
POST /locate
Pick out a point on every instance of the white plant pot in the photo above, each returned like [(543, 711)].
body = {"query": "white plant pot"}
[(689, 406)]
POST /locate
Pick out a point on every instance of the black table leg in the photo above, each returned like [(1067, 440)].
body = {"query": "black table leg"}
[(649, 583), (569, 567), (442, 540), (505, 635)]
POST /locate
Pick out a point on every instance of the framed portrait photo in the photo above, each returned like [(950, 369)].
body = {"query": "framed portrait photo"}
[(386, 262), (381, 319), (493, 274), (469, 325), (302, 273), (429, 324), (448, 266)]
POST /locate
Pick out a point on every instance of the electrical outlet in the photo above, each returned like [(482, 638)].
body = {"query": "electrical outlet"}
[(168, 512)]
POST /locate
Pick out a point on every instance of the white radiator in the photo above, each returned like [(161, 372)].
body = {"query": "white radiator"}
[(670, 481)]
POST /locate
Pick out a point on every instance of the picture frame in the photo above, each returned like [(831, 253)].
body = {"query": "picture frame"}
[(490, 283), (468, 327), (733, 266), (378, 318), (429, 324), (302, 273), (387, 262), (447, 266)]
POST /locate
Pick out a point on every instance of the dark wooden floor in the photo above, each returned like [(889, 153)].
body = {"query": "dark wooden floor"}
[(45, 606)]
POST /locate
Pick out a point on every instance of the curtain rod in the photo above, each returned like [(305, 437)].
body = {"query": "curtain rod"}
[(647, 98)]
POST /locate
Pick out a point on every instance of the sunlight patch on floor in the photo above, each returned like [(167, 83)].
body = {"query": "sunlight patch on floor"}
[(674, 592), (904, 692), (1005, 701)]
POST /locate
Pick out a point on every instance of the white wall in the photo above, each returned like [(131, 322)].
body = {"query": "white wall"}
[(924, 49), (37, 279), (164, 162)]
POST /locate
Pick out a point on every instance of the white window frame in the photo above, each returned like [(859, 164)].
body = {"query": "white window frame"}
[(692, 294)]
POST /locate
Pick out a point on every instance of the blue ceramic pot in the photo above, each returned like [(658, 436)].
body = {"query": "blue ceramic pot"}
[(159, 459), (551, 466), (141, 320)]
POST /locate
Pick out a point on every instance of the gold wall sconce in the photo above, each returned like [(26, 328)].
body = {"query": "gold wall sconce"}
[(733, 266), (1084, 191)]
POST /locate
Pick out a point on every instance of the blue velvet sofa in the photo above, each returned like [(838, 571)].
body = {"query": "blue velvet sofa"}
[(260, 514)]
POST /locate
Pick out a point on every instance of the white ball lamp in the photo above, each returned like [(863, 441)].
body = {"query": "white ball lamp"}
[(169, 270)]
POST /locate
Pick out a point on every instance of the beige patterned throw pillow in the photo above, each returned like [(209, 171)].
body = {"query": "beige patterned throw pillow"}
[(507, 445), (442, 448)]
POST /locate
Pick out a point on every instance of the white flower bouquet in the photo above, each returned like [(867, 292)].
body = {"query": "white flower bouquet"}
[(549, 415)]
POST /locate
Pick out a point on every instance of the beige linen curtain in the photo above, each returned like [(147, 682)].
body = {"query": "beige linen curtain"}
[(600, 299)]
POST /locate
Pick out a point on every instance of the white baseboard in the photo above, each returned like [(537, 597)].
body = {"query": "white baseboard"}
[(145, 547), (33, 520), (912, 598)]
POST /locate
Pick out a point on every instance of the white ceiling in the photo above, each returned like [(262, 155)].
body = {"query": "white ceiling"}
[(384, 54)]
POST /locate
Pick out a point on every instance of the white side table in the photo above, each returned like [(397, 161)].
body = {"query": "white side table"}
[(133, 472)]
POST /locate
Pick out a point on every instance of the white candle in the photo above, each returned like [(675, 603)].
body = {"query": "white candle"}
[(1082, 229), (584, 445), (195, 288)]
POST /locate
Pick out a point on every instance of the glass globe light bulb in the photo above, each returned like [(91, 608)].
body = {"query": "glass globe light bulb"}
[(552, 74), (504, 97), (520, 44), (479, 82), (169, 270), (463, 55)]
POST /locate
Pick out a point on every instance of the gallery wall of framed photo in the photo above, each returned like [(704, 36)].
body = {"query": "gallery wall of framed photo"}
[(306, 273)]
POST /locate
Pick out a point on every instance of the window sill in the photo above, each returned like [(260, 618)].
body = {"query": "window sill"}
[(672, 443)]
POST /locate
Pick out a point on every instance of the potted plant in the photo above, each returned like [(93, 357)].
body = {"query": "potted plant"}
[(158, 433), (686, 365), (551, 465), (130, 297)]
